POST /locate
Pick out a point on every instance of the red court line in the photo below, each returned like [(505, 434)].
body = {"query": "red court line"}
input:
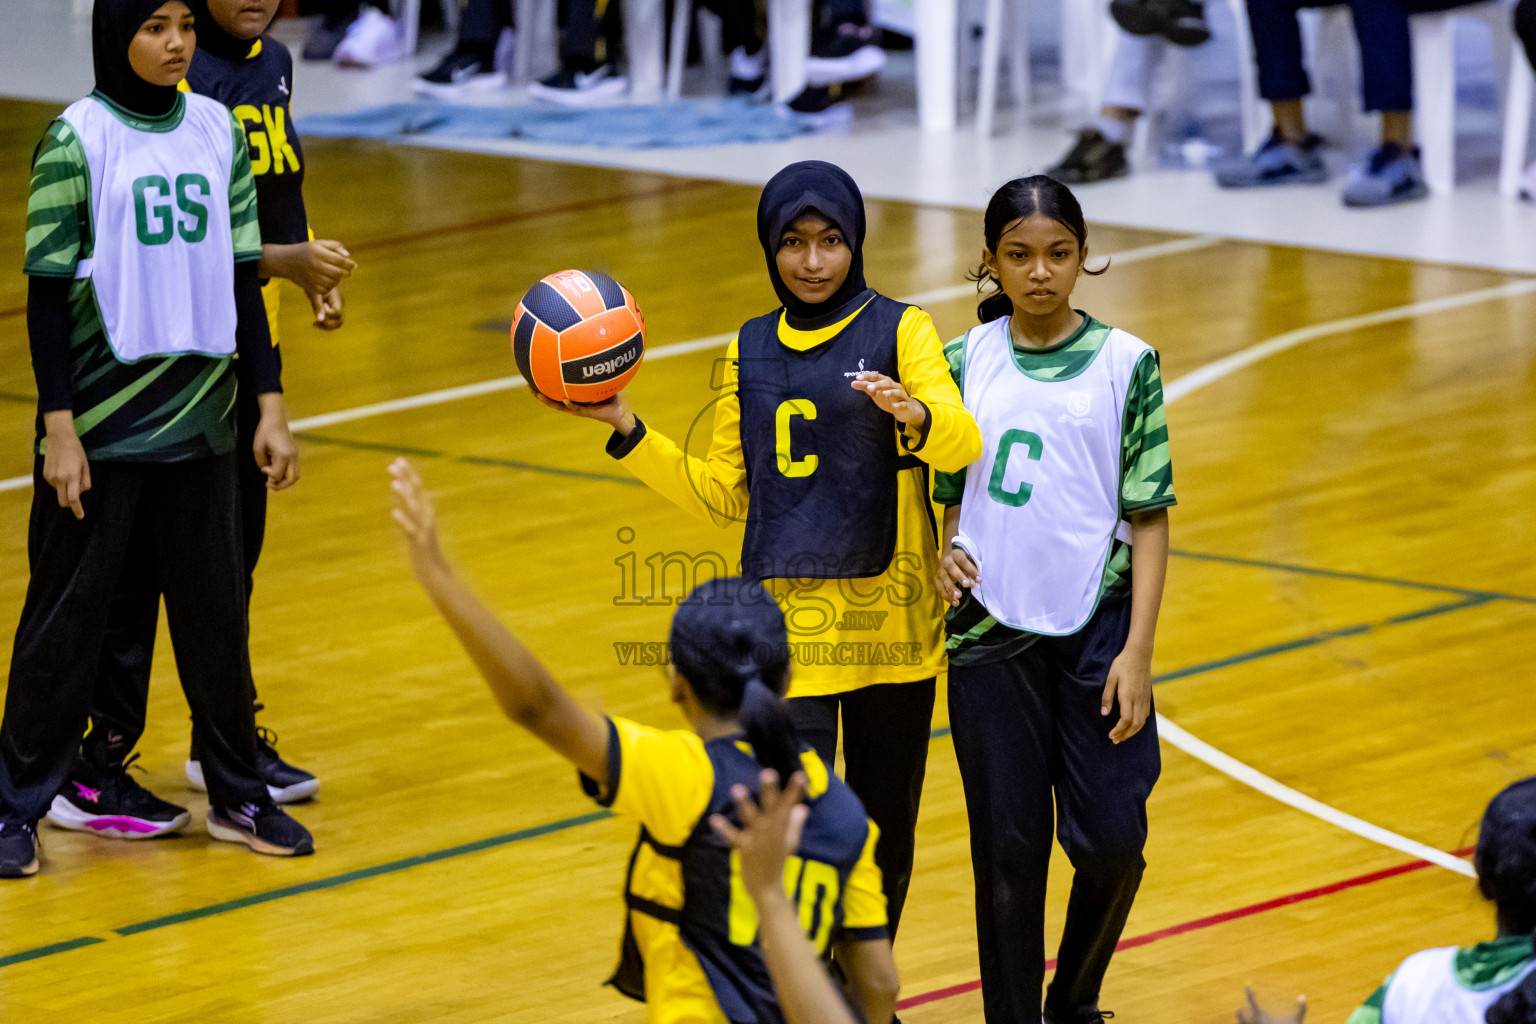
[(1206, 922), (13, 311)]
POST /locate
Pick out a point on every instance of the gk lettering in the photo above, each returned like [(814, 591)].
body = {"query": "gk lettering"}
[(155, 221), (267, 137)]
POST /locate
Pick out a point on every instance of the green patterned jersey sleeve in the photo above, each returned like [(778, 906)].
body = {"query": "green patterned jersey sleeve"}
[(243, 223), (1146, 468), (949, 487), (1369, 1012), (59, 205)]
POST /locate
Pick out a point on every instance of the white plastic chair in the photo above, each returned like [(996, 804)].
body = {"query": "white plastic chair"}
[(789, 44), (1517, 120), (536, 53), (1004, 21), (408, 14), (1434, 81)]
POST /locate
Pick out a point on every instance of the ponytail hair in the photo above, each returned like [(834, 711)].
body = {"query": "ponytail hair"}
[(730, 643), (1506, 874), (1018, 200)]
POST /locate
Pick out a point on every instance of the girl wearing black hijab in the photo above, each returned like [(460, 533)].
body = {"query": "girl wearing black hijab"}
[(252, 75), (833, 408), (142, 244)]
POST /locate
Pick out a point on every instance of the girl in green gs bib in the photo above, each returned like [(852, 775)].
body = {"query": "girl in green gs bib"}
[(142, 244), (1056, 544), (691, 947)]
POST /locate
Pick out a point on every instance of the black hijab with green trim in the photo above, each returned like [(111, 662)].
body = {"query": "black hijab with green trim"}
[(114, 23)]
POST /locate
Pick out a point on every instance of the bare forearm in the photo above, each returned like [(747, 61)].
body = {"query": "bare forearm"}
[(277, 260), (951, 526), (806, 994), (1149, 568), (522, 686)]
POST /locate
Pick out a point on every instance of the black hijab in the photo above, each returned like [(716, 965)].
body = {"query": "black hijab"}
[(114, 23), (212, 38), (829, 191)]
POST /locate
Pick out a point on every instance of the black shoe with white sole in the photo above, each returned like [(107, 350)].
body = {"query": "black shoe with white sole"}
[(18, 849), (105, 800), (264, 827), (286, 783)]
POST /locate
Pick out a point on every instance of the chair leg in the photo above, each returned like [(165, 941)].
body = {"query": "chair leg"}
[(1434, 101), (937, 44), (1517, 121), (991, 56), (682, 20), (1255, 112), (789, 40)]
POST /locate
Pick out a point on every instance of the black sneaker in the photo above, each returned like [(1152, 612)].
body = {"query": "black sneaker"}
[(568, 87), (286, 783), (749, 72), (1091, 158), (846, 54), (264, 827), (104, 799), (1181, 22), (816, 98), (18, 849), (1087, 1015), (460, 73), (322, 42)]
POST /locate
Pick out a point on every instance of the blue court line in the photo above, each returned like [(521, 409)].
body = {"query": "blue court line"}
[(1356, 577), (1324, 636)]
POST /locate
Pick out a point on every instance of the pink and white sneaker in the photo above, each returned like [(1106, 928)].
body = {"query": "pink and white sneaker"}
[(107, 801)]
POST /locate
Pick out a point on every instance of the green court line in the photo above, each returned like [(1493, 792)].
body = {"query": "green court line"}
[(473, 460), (42, 951), (1356, 577), (11, 396), (361, 873), (1471, 600)]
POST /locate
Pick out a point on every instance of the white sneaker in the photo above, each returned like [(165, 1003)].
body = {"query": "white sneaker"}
[(371, 40), (600, 88), (861, 63)]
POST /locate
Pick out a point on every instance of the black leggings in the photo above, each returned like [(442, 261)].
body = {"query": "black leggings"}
[(1034, 752), (885, 755), (120, 701), (192, 520)]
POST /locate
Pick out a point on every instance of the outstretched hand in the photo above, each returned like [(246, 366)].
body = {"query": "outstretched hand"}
[(889, 395), (769, 833), (1253, 1013), (416, 516), (613, 411)]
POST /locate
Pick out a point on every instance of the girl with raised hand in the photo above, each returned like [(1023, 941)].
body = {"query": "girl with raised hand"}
[(691, 949), (142, 247), (831, 410), (1056, 545)]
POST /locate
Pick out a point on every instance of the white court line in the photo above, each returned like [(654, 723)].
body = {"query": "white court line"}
[(680, 348), (1198, 748), (1227, 765)]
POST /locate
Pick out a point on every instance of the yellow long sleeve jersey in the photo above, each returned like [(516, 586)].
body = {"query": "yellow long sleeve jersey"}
[(853, 632)]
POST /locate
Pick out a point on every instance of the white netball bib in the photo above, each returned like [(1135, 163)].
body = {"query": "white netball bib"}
[(1424, 990), (162, 264), (1042, 504)]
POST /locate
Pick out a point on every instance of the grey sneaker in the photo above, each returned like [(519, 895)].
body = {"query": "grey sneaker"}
[(1277, 162), (1391, 175)]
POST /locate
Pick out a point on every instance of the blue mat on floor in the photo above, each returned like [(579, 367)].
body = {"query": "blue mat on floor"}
[(700, 122)]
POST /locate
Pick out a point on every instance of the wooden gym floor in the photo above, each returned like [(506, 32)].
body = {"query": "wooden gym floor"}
[(1348, 611)]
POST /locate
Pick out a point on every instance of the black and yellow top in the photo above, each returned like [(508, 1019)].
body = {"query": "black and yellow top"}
[(690, 949), (846, 633)]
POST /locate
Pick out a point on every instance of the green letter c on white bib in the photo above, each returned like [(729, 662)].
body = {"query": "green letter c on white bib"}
[(1034, 446)]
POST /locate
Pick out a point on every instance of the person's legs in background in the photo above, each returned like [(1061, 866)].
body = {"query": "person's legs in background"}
[(589, 41), (335, 16), (1099, 152), (471, 64), (744, 43), (1391, 174)]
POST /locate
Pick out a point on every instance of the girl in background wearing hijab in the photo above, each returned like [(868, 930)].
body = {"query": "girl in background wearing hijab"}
[(252, 75), (691, 950), (832, 409), (142, 248)]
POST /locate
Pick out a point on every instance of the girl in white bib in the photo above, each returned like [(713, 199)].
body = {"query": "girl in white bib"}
[(1056, 545), (1488, 983)]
